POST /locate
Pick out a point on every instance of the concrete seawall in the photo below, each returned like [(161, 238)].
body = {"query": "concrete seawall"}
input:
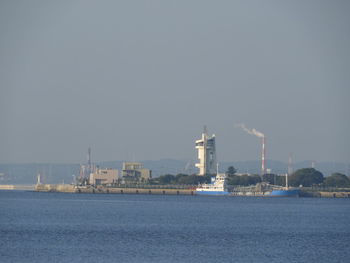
[(23, 187), (325, 194), (138, 191), (64, 188)]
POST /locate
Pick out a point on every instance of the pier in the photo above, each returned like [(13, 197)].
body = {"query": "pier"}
[(21, 187), (65, 188)]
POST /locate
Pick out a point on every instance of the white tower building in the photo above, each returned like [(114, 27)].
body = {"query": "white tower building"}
[(206, 154)]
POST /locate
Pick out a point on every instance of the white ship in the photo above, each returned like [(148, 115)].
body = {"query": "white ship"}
[(216, 187)]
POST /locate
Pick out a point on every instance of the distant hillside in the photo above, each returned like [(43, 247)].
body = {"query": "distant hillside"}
[(58, 173)]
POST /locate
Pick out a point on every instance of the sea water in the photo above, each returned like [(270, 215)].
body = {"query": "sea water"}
[(58, 227)]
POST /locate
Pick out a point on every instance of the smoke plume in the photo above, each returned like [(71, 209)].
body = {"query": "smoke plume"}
[(250, 131)]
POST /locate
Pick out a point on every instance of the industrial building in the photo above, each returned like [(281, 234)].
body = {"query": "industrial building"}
[(206, 154), (135, 171), (103, 177)]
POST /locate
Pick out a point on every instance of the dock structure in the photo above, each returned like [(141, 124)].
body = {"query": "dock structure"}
[(243, 192), (111, 190), (21, 187)]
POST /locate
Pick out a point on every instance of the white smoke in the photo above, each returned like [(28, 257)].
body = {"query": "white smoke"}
[(250, 131)]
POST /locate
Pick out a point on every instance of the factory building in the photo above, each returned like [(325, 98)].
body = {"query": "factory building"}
[(135, 171), (103, 177), (206, 154)]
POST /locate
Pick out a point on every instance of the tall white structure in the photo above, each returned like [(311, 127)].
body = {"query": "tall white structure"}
[(206, 154)]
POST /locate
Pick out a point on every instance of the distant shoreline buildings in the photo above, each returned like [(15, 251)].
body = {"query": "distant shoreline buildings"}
[(132, 172)]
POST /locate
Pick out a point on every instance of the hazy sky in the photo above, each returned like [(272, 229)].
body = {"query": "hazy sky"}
[(139, 79)]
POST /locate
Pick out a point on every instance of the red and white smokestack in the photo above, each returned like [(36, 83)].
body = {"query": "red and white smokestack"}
[(263, 153)]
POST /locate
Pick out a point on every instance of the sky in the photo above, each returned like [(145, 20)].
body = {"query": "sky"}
[(138, 80)]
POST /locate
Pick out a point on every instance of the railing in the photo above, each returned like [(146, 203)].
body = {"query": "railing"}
[(153, 186)]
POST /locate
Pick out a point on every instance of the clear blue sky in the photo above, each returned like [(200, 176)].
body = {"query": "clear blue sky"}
[(139, 79)]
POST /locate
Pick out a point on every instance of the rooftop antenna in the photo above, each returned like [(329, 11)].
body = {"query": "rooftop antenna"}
[(89, 164), (290, 164), (188, 166), (89, 156), (205, 138)]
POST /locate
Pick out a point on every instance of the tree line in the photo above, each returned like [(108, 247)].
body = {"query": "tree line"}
[(183, 179), (308, 177), (305, 177)]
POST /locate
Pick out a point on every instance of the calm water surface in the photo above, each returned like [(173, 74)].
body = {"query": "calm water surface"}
[(54, 227)]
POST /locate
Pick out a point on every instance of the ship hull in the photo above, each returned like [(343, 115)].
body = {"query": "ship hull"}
[(212, 193), (286, 193)]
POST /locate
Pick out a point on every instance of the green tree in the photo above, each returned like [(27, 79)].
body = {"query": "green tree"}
[(244, 180), (306, 177), (166, 179), (231, 171), (274, 179), (254, 179), (178, 176), (193, 179), (269, 178), (233, 180), (337, 180)]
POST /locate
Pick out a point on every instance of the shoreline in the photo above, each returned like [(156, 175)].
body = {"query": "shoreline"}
[(68, 188)]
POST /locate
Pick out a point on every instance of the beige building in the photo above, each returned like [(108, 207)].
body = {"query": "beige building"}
[(104, 176), (206, 154), (135, 171)]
